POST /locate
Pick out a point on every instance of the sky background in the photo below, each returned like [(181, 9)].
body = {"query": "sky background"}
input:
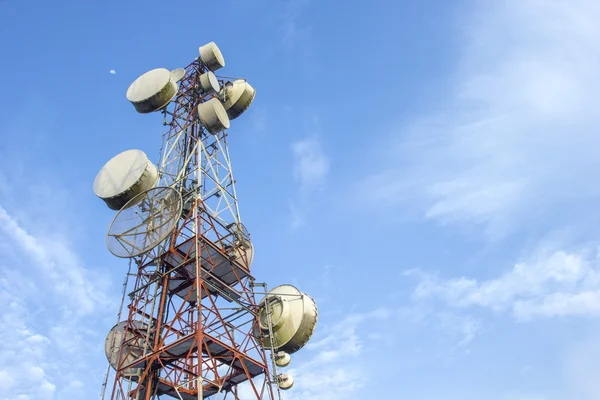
[(427, 171)]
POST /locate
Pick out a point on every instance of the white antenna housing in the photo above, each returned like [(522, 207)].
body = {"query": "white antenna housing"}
[(211, 56), (237, 97), (124, 351), (209, 83), (152, 91), (213, 116), (244, 254), (178, 74), (285, 381), (123, 177), (293, 319), (282, 359)]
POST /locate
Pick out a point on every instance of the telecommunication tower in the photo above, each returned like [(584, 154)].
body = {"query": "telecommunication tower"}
[(195, 324)]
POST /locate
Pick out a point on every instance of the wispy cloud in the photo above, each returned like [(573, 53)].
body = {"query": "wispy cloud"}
[(59, 265), (310, 170), (550, 284), (311, 165), (55, 305), (517, 133), (295, 35), (332, 367), (296, 219), (458, 328), (24, 353)]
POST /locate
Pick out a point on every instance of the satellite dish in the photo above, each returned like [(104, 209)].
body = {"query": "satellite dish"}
[(123, 177), (237, 97), (152, 91), (178, 74), (282, 359), (285, 381), (293, 319), (213, 116), (137, 230), (242, 252), (209, 83), (239, 231), (241, 249), (126, 350), (211, 56)]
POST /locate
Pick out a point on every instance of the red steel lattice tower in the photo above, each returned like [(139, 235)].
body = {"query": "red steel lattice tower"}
[(191, 312)]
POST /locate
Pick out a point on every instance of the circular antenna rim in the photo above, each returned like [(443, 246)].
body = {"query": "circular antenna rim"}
[(138, 80), (136, 199), (302, 319), (144, 91), (219, 112), (211, 56), (178, 74), (209, 83), (116, 348), (129, 171), (239, 95)]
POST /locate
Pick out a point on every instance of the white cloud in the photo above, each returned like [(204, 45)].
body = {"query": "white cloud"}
[(60, 265), (294, 34), (333, 366), (297, 220), (113, 72), (49, 326), (518, 134), (310, 170), (551, 284), (457, 326), (23, 352), (311, 165)]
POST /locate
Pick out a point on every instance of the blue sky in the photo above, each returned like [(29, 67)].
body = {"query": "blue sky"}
[(426, 170)]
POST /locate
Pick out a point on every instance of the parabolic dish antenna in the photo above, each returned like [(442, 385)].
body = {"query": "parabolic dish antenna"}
[(209, 83), (152, 91), (241, 249), (237, 97), (293, 319), (211, 56), (137, 230), (285, 381), (124, 351), (243, 252), (178, 74), (213, 116), (123, 177)]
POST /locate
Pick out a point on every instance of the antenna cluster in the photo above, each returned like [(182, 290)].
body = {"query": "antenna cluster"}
[(194, 327)]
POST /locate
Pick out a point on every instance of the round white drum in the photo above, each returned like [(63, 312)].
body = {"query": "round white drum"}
[(209, 83), (123, 177), (124, 351), (213, 116), (238, 97), (178, 74), (285, 381), (211, 56), (152, 91), (293, 319)]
